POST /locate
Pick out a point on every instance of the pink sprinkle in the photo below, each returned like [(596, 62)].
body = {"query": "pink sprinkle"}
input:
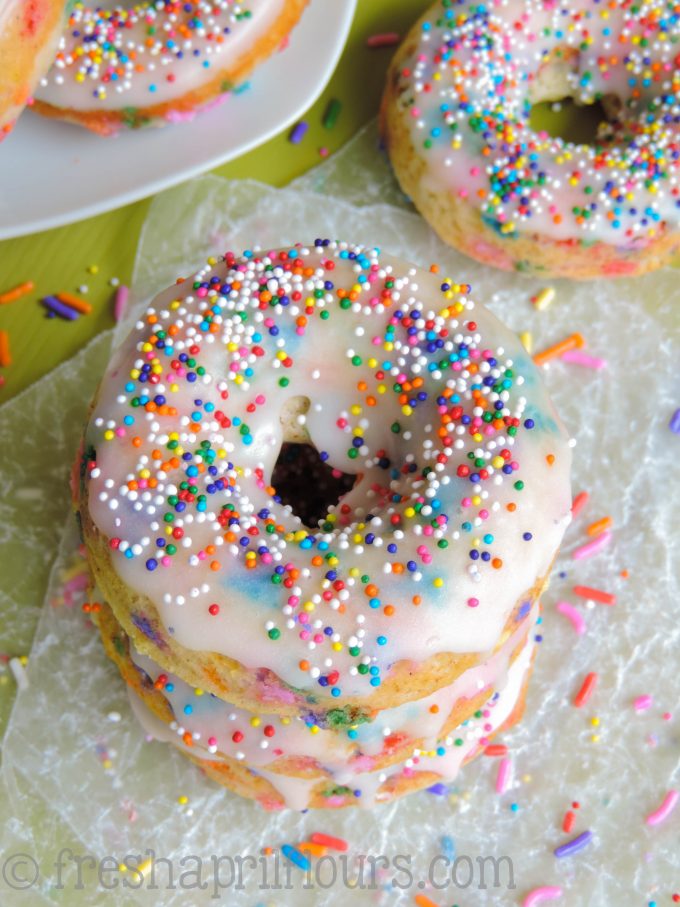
[(642, 703), (663, 812), (538, 895), (503, 776), (473, 602), (572, 614), (120, 301), (385, 39), (594, 547), (578, 357), (579, 503)]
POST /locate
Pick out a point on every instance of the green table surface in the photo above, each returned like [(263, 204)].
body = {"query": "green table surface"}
[(93, 251)]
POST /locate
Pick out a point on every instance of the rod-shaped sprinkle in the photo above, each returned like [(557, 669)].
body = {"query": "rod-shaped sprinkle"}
[(573, 846), (663, 812)]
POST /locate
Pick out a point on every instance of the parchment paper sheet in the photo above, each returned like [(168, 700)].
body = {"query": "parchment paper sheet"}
[(77, 770)]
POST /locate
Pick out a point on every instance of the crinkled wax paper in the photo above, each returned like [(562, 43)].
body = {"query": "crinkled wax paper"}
[(77, 769)]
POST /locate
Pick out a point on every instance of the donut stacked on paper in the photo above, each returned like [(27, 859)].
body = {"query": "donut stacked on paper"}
[(321, 490), (457, 120)]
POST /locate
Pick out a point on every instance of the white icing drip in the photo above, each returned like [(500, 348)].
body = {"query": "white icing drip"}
[(296, 791), (212, 722)]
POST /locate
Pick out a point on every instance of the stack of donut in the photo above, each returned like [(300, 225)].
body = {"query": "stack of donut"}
[(456, 117), (351, 656)]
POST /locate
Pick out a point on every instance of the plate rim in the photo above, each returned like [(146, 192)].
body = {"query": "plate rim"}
[(346, 10)]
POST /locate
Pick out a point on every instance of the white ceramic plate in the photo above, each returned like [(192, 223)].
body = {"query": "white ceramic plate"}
[(53, 173)]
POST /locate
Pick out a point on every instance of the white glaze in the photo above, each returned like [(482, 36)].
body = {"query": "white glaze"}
[(212, 722), (249, 603), (82, 80), (494, 53), (445, 760)]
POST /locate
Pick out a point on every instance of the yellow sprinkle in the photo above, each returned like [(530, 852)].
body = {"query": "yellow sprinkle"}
[(595, 722), (109, 435), (438, 582), (93, 269), (543, 298), (183, 800), (255, 721), (527, 341)]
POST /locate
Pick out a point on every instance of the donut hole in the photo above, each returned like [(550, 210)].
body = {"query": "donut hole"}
[(303, 480), (555, 107), (581, 124)]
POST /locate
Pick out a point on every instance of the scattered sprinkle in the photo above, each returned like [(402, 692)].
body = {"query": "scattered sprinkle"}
[(16, 292), (674, 424), (329, 841), (384, 39), (5, 351), (120, 302), (74, 302), (332, 113), (587, 690), (538, 895), (297, 133), (642, 703), (543, 298), (293, 854), (504, 775), (599, 543), (597, 595), (578, 357), (574, 846), (599, 526), (579, 503), (573, 341), (572, 614), (663, 812), (56, 307)]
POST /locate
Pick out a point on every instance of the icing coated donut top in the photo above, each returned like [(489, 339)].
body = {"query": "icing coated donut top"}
[(461, 494), (150, 53), (469, 83)]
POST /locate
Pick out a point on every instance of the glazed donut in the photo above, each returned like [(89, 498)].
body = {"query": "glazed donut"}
[(417, 576), (29, 31), (456, 120), (157, 63)]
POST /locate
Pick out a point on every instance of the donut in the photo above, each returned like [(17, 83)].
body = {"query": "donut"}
[(158, 63), (434, 474), (456, 119), (29, 32)]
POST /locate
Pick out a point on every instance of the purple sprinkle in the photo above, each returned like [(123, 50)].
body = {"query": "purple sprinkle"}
[(573, 846), (674, 424), (438, 789), (56, 307), (297, 132)]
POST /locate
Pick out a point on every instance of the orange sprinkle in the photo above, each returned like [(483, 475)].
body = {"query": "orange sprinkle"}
[(599, 526), (573, 341), (73, 302), (497, 563), (388, 610), (5, 352), (416, 600), (16, 292), (550, 459), (422, 900), (215, 566)]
